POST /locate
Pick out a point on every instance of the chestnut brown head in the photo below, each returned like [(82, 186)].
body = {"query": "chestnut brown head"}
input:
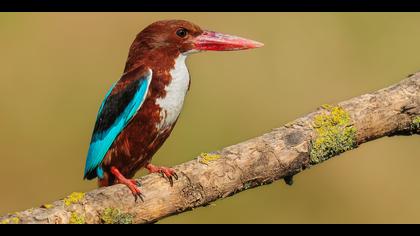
[(172, 37)]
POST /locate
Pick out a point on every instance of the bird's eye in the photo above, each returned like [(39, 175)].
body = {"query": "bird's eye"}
[(182, 32)]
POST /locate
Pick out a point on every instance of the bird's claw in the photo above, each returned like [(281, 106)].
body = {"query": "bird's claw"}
[(171, 181), (136, 182), (132, 184), (168, 177), (139, 195), (175, 175), (171, 177), (165, 172)]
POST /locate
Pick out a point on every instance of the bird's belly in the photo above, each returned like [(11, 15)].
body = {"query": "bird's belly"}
[(171, 104)]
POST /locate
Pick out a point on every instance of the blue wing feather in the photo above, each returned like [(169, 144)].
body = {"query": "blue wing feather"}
[(111, 120), (103, 102)]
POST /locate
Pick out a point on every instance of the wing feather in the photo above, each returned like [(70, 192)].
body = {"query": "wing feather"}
[(119, 106)]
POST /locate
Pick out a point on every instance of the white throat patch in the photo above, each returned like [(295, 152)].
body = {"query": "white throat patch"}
[(172, 103)]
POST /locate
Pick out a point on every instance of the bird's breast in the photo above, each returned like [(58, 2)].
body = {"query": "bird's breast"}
[(171, 104)]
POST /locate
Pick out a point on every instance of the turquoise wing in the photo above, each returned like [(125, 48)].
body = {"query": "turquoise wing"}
[(120, 105)]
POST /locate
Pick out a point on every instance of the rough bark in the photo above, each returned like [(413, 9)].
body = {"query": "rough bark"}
[(281, 153)]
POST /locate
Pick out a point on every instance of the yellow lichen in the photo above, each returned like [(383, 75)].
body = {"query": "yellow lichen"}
[(5, 221), (75, 218), (13, 220), (334, 134), (206, 158), (47, 206), (75, 197), (415, 125), (115, 216)]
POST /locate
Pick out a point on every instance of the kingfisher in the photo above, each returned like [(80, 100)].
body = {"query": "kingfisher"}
[(140, 110)]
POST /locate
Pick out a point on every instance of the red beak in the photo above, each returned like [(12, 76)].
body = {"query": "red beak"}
[(213, 41)]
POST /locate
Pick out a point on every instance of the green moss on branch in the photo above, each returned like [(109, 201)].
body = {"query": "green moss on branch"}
[(115, 216), (415, 124), (75, 197), (334, 132), (75, 218)]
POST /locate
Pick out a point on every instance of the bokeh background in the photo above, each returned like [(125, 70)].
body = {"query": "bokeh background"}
[(57, 67)]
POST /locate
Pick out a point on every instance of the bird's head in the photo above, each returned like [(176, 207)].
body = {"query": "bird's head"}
[(183, 37)]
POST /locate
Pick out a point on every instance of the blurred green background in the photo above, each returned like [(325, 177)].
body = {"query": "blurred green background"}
[(57, 67)]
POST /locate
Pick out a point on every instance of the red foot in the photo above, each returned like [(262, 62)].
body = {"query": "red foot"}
[(135, 182), (165, 171), (130, 183)]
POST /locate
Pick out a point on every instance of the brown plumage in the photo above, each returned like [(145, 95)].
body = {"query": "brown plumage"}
[(156, 49)]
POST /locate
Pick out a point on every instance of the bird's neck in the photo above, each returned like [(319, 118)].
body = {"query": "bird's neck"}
[(158, 59)]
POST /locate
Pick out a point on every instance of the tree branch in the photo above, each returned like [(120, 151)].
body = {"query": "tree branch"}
[(281, 153)]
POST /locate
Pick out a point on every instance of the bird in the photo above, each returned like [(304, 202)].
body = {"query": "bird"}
[(140, 110)]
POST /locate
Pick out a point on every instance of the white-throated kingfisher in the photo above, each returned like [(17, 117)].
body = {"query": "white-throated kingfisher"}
[(140, 110)]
